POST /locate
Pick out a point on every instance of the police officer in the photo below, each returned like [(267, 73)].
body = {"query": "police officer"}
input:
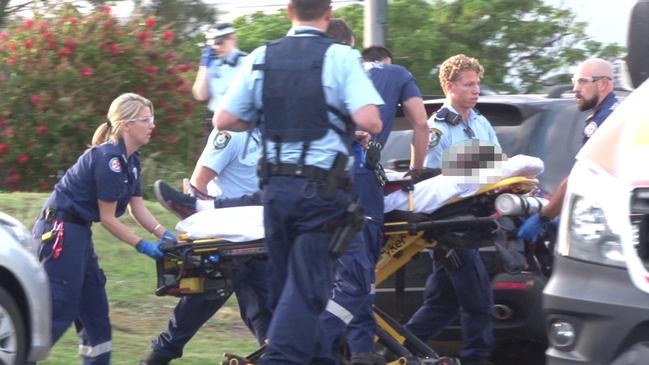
[(463, 288), (97, 188), (233, 158), (593, 86), (354, 290), (305, 92), (220, 61)]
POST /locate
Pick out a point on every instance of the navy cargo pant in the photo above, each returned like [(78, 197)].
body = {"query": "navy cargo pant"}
[(350, 308), (250, 287), (294, 210), (466, 291), (78, 291)]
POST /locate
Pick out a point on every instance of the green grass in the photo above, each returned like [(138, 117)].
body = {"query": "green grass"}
[(137, 315)]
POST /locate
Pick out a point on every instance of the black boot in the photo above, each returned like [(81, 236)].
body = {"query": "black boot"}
[(155, 358)]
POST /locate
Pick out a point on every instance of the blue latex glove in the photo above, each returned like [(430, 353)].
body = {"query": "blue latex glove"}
[(151, 249), (207, 56), (168, 236), (531, 228)]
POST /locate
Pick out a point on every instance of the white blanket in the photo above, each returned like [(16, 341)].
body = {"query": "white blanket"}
[(431, 194), (241, 224)]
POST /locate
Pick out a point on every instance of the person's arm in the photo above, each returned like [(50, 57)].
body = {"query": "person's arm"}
[(415, 113), (200, 89), (144, 218), (553, 209), (368, 119), (223, 120), (113, 225)]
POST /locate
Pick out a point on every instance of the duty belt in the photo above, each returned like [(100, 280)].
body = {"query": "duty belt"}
[(307, 172), (50, 214)]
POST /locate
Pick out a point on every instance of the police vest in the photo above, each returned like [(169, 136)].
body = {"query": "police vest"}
[(294, 103)]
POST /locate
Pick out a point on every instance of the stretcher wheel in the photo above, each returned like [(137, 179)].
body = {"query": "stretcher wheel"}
[(232, 359)]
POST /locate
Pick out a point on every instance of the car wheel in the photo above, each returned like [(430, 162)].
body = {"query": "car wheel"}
[(13, 338)]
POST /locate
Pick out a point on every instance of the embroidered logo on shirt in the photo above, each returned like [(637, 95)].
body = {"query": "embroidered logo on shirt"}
[(590, 129), (435, 136), (221, 140), (115, 165)]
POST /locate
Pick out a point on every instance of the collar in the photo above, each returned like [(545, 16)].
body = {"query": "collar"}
[(472, 114), (295, 31), (232, 57), (609, 102)]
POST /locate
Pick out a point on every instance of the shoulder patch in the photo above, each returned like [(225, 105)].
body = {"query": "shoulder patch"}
[(590, 129), (115, 164), (221, 140), (435, 136)]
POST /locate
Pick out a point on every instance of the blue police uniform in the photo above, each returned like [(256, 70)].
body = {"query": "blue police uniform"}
[(221, 73), (354, 290), (294, 208), (234, 158), (602, 112), (78, 288), (467, 290)]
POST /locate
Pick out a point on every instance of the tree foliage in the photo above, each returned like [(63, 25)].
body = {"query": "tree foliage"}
[(519, 42)]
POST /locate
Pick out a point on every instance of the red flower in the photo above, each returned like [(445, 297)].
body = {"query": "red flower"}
[(28, 24), (86, 71), (71, 44), (105, 9), (4, 148), (144, 35), (168, 35), (41, 129), (35, 98), (151, 70), (28, 43), (12, 46), (114, 49), (3, 36), (3, 123), (11, 61), (44, 185), (149, 22), (22, 158), (43, 26), (64, 52), (73, 21)]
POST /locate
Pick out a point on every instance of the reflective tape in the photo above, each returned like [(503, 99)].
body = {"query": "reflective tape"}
[(339, 311), (94, 351)]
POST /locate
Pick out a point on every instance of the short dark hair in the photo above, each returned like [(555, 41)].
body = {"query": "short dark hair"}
[(310, 9), (340, 31), (376, 54)]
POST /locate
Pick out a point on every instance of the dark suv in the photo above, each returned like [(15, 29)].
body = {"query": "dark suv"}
[(546, 126)]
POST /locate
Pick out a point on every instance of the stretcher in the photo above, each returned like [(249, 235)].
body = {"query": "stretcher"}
[(199, 264)]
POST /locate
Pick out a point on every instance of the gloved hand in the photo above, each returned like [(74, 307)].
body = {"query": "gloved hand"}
[(531, 228), (207, 56), (168, 236), (151, 249)]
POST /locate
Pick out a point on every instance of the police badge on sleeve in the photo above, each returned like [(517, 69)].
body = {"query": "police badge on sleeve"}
[(221, 140), (590, 129), (434, 136)]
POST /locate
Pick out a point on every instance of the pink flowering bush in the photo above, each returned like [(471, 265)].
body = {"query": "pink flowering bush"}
[(58, 76)]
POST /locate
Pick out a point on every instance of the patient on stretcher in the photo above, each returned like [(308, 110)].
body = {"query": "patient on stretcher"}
[(245, 223)]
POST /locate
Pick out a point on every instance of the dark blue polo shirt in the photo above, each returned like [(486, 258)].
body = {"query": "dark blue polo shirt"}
[(596, 119)]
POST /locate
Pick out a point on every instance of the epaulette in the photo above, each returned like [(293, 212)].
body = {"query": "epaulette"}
[(444, 115)]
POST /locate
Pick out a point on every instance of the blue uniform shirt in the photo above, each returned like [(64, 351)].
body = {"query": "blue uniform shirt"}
[(226, 154), (596, 119), (220, 74), (346, 88), (395, 84), (101, 173), (443, 134)]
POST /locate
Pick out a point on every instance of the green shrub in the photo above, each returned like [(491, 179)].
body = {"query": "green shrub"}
[(58, 75)]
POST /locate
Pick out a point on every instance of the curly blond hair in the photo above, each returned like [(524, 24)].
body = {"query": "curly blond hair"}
[(453, 66)]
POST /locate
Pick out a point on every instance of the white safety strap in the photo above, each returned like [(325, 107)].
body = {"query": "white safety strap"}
[(94, 351), (373, 289), (339, 311)]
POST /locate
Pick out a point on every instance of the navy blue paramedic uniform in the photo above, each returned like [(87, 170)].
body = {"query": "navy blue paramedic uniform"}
[(220, 74), (294, 207), (237, 176), (78, 284), (354, 290), (466, 291), (596, 119)]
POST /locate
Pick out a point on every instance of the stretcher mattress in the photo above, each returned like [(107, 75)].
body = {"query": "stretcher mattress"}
[(242, 224)]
